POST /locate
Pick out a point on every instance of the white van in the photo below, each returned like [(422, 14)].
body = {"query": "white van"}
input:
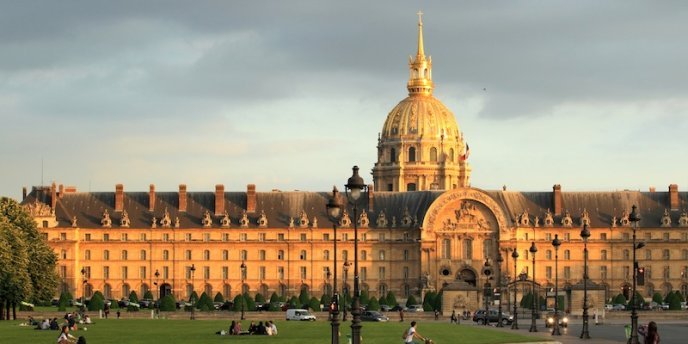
[(300, 314)]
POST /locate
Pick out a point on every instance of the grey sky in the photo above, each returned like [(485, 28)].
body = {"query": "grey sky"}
[(290, 95)]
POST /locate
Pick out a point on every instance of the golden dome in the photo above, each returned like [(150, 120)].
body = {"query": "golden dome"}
[(422, 116)]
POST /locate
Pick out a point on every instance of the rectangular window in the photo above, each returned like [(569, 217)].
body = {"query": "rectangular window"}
[(567, 272), (125, 272), (165, 237), (666, 236), (648, 254), (345, 236), (106, 255), (280, 272), (567, 255), (567, 236), (603, 255), (626, 272), (142, 272), (261, 273), (187, 272), (603, 236), (446, 249), (165, 272), (364, 273), (406, 272), (603, 272), (303, 273), (225, 272), (106, 272), (63, 271), (187, 237), (44, 236), (63, 236), (206, 272), (548, 236), (648, 236), (345, 255), (87, 255), (364, 237), (261, 236), (143, 237), (143, 255), (106, 237), (244, 255), (548, 272), (382, 273), (225, 237), (548, 254), (125, 237), (381, 237), (326, 237), (206, 237), (381, 255), (666, 272), (187, 254), (261, 254), (625, 236), (87, 271), (280, 236), (87, 236), (243, 237), (406, 254), (303, 237), (407, 236)]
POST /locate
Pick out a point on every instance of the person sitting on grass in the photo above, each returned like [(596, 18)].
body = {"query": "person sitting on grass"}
[(410, 334), (231, 328), (236, 330), (273, 328), (260, 329), (252, 328), (54, 325), (65, 337)]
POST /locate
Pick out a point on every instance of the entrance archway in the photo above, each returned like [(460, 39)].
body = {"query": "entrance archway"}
[(165, 289), (468, 276)]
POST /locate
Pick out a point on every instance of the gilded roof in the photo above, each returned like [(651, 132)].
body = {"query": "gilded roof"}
[(423, 116)]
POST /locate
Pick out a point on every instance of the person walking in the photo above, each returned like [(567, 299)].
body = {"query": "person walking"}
[(401, 315), (454, 318), (649, 332), (411, 334)]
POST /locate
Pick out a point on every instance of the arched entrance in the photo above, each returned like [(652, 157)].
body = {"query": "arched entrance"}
[(468, 276), (626, 291), (165, 289)]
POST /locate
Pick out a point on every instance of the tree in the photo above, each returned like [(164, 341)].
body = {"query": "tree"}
[(205, 303), (133, 297), (680, 296), (260, 299), (429, 301), (438, 301), (42, 260), (364, 299), (325, 300), (274, 298), (97, 302), (63, 302), (314, 304), (193, 297), (373, 304), (148, 295), (657, 298), (637, 299), (293, 302), (167, 303), (527, 301), (250, 303), (674, 302), (391, 299), (14, 263), (620, 299), (411, 301), (238, 302), (304, 297)]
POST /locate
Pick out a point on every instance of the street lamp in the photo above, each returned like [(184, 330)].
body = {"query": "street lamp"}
[(533, 325), (83, 287), (334, 209), (354, 188), (514, 324), (634, 218), (347, 264), (500, 260), (555, 327), (243, 297), (157, 302), (193, 299), (487, 271), (585, 234)]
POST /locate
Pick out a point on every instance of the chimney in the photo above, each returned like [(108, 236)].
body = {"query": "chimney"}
[(219, 199), (61, 193), (652, 189), (53, 196), (370, 198), (673, 196), (556, 199), (23, 193), (119, 197), (251, 198), (182, 197), (151, 198)]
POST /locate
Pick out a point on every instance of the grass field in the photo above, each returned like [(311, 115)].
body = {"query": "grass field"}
[(203, 331)]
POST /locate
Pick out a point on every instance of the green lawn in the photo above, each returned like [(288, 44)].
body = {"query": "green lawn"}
[(203, 331)]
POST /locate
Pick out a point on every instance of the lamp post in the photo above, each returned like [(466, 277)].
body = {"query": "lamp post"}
[(500, 260), (555, 327), (487, 271), (347, 264), (243, 298), (157, 302), (533, 325), (334, 209), (634, 218), (83, 287), (514, 324), (585, 234), (193, 300), (354, 187)]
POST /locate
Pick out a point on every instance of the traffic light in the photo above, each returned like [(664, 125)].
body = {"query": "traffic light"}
[(641, 276)]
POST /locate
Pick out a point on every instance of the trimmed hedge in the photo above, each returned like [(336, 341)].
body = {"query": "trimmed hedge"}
[(168, 303)]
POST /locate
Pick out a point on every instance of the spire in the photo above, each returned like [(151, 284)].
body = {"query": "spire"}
[(420, 68), (421, 51)]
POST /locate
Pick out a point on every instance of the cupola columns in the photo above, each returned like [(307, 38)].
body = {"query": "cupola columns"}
[(420, 68)]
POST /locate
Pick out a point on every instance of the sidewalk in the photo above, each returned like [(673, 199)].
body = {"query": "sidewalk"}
[(567, 337)]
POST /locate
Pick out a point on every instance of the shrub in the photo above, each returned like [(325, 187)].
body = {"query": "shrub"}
[(259, 298), (438, 302), (250, 303), (304, 297), (238, 302), (219, 298), (133, 297), (64, 301), (148, 295), (205, 303), (314, 304), (657, 297), (364, 299), (429, 301), (674, 302), (293, 302), (193, 297), (680, 296), (325, 300), (274, 298), (274, 307), (411, 301), (527, 301), (620, 299), (391, 299), (168, 303), (97, 302), (373, 304)]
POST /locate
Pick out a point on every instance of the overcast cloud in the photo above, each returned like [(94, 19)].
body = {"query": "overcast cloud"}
[(291, 94)]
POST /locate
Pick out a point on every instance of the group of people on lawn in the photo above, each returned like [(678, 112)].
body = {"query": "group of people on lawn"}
[(69, 324), (267, 329)]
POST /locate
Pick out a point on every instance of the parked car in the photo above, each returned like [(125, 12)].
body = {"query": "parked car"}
[(373, 316), (227, 306), (618, 307), (300, 314), (146, 303), (399, 307), (493, 315), (665, 306), (608, 307), (563, 319), (415, 308), (385, 308)]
